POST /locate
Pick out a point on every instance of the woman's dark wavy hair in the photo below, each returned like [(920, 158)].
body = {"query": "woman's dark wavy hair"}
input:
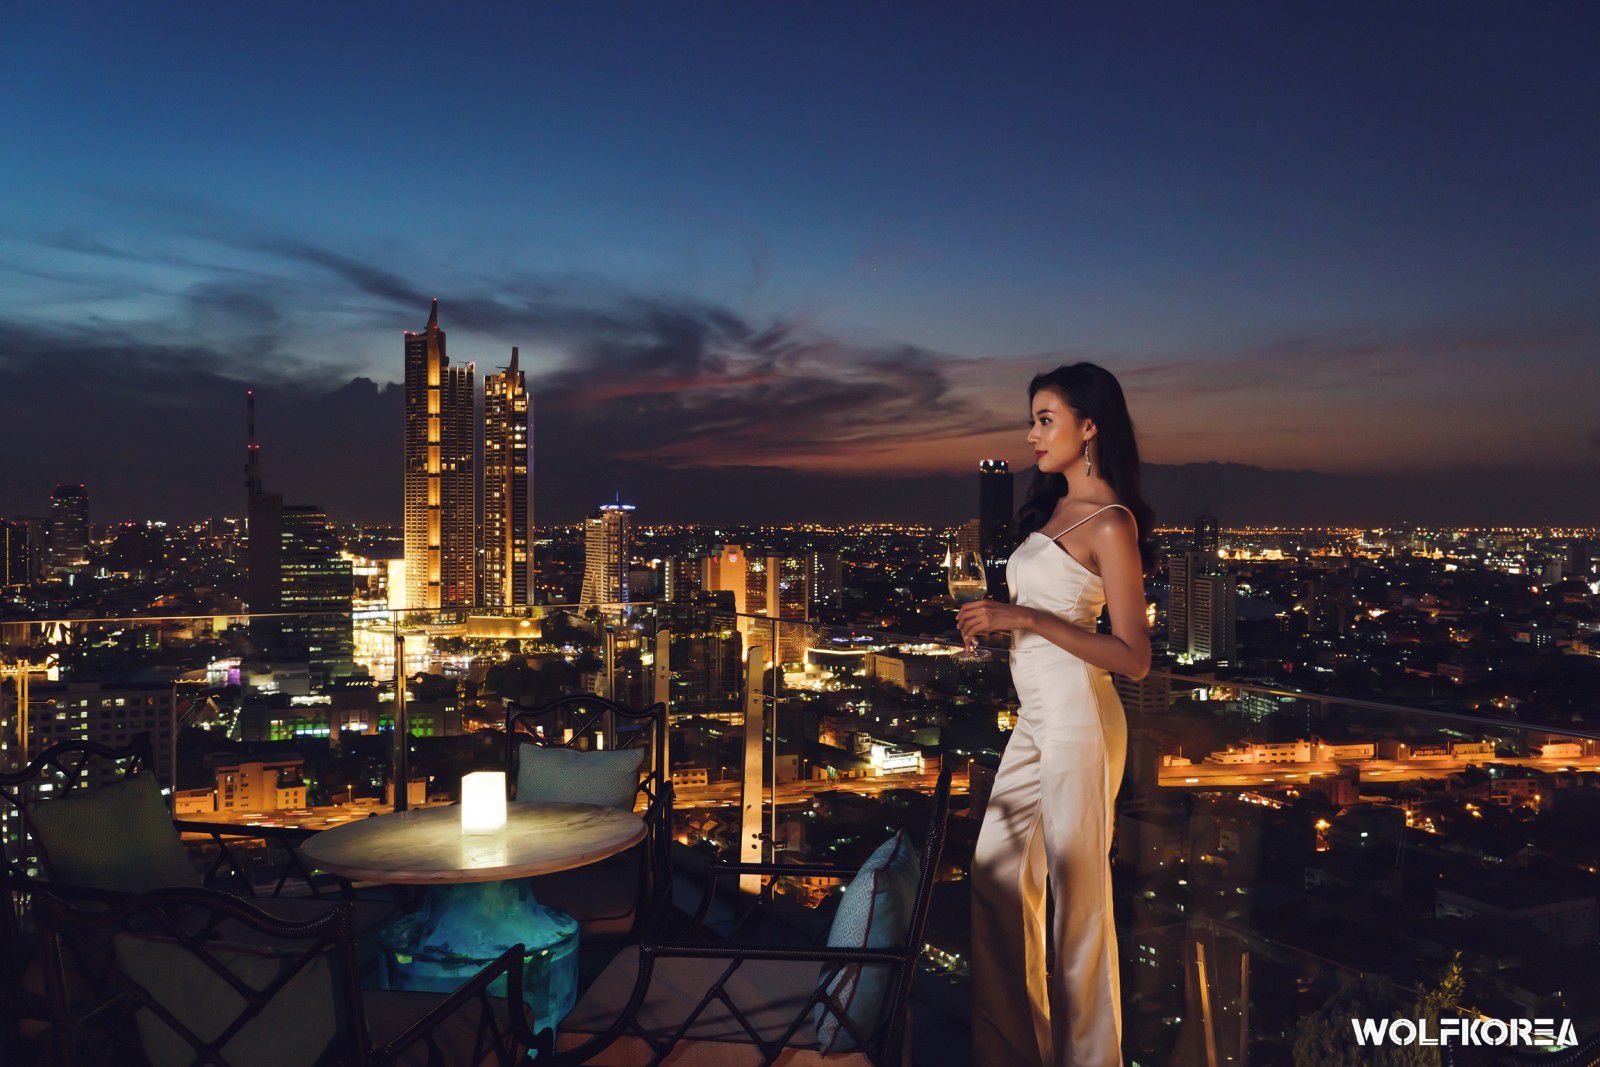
[(1093, 393)]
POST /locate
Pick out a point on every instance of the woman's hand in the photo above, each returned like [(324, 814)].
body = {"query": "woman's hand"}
[(991, 616)]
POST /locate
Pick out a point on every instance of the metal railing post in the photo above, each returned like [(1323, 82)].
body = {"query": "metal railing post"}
[(772, 815), (400, 770), (751, 795)]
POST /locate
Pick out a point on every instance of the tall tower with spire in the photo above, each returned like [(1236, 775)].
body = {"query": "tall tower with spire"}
[(440, 480), (507, 550), (294, 567)]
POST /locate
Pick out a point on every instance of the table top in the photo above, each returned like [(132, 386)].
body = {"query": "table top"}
[(425, 846)]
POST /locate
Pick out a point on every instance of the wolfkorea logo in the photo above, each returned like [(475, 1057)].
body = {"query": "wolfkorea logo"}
[(1454, 1031)]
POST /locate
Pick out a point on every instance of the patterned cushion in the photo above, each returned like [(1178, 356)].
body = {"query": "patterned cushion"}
[(295, 1026), (118, 837), (609, 778), (875, 913)]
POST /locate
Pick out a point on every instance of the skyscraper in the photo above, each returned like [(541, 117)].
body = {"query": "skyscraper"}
[(507, 551), (826, 580), (787, 599), (440, 494), (1580, 558), (68, 535), (681, 578), (996, 515), (295, 565), (1182, 568), (1207, 541), (15, 558), (757, 583), (1202, 609), (608, 548), (727, 571), (315, 579), (1213, 611), (969, 537)]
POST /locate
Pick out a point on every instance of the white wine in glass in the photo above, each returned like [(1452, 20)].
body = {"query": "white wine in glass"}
[(968, 582)]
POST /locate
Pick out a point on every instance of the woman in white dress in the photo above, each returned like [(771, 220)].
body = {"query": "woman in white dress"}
[(1050, 817)]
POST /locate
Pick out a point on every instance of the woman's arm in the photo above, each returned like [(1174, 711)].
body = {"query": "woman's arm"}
[(1126, 649)]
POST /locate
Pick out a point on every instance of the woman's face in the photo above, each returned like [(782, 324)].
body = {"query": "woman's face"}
[(1055, 432)]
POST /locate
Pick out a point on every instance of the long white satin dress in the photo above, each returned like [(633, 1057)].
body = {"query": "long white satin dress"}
[(1051, 813)]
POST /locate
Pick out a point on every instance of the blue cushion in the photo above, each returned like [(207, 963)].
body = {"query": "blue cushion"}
[(119, 837), (875, 913), (610, 778), (296, 1026)]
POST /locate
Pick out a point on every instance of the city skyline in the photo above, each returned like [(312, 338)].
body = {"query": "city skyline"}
[(1378, 272), (689, 579)]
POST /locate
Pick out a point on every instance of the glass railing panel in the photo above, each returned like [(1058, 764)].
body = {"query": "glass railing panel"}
[(1275, 850)]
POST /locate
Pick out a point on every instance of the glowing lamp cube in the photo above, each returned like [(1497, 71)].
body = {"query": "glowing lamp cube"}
[(483, 802)]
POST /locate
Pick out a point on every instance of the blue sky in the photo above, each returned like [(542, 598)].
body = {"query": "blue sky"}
[(1353, 238)]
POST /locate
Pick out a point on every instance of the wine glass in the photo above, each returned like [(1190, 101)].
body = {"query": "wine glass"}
[(968, 582)]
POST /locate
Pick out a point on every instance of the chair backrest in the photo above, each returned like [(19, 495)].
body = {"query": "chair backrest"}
[(576, 721), (59, 771), (932, 856), (198, 969)]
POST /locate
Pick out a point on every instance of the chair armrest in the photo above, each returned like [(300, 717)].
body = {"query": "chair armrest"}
[(288, 838), (292, 834), (799, 870), (65, 890), (775, 870), (476, 990), (790, 953)]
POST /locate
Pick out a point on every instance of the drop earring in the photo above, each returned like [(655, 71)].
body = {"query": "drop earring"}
[(1088, 464)]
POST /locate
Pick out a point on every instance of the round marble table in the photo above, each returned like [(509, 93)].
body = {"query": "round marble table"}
[(479, 901), (425, 846)]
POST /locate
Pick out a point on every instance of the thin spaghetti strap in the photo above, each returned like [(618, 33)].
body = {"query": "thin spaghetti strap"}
[(1086, 518)]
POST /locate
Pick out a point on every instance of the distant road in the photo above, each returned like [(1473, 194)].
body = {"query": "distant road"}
[(1213, 776), (722, 794)]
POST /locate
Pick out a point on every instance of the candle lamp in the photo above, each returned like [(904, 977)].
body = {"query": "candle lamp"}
[(483, 802)]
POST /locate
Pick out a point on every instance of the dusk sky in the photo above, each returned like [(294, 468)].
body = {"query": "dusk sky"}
[(828, 243)]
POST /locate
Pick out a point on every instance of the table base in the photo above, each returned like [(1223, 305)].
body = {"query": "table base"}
[(462, 928)]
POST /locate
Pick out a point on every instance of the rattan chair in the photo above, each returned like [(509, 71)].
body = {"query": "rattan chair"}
[(73, 769), (171, 988), (611, 899), (693, 1000)]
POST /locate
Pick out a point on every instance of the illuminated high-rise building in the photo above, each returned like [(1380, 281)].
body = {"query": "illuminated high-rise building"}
[(779, 587), (996, 515), (1207, 541), (440, 489), (296, 567), (707, 670), (969, 537), (1202, 609), (757, 583), (1182, 569), (727, 571), (608, 548), (16, 561), (681, 578), (314, 579), (1580, 558), (826, 578), (787, 600), (507, 550), (67, 538), (1213, 611)]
